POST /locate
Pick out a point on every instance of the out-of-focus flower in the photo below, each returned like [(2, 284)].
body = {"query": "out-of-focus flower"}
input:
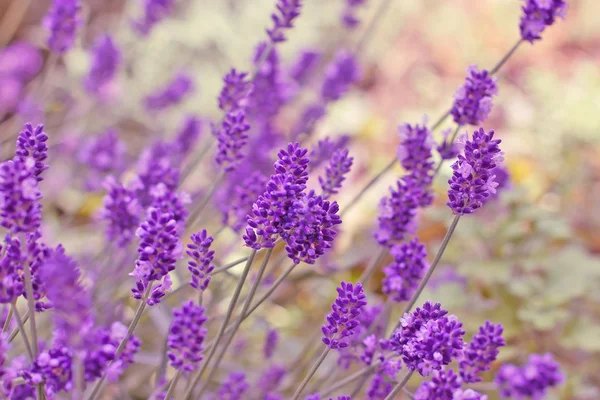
[(338, 167), (186, 337), (480, 352), (468, 394), (342, 319), (537, 15), (304, 65), (473, 100), (271, 341), (532, 380), (349, 18), (37, 254), (10, 93), (270, 87), (379, 388), (62, 21), (324, 149), (415, 155), (342, 72), (240, 200), (54, 367), (271, 378), (103, 154), (235, 91), (20, 208), (442, 386), (11, 270), (472, 182), (172, 94), (404, 275), (32, 150), (154, 12), (20, 60), (121, 211), (448, 149), (234, 387), (201, 258), (188, 134), (106, 59), (283, 18), (232, 137)]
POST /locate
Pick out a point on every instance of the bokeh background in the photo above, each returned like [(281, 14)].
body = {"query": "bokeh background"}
[(530, 259)]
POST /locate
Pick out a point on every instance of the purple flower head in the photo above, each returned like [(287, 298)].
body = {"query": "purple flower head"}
[(472, 182), (340, 74), (532, 380), (236, 88), (62, 21), (11, 270), (70, 299), (324, 149), (349, 18), (398, 212), (271, 378), (158, 250), (154, 12), (241, 198), (448, 149), (103, 154), (468, 394), (270, 215), (54, 367), (234, 387), (106, 59), (37, 254), (10, 93), (32, 149), (232, 137), (271, 341), (442, 386), (121, 212), (20, 208), (157, 165), (338, 167), (201, 257), (171, 94), (186, 337), (428, 338), (415, 155), (287, 11), (304, 66), (404, 274), (20, 60), (473, 100), (309, 118), (270, 90), (343, 318), (188, 134), (379, 388), (171, 202), (537, 15), (503, 180), (479, 354)]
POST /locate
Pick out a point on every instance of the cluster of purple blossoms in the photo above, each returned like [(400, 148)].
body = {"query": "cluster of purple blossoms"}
[(468, 394), (472, 181), (186, 337), (121, 211), (32, 150), (201, 257), (232, 136), (270, 87), (446, 385), (428, 338), (271, 378), (343, 318), (404, 274), (236, 89), (54, 367), (537, 15), (531, 381), (324, 149), (234, 387), (349, 18), (473, 100), (11, 270), (20, 208), (154, 12), (339, 75), (338, 167), (37, 254), (242, 199), (283, 18), (480, 352), (172, 94), (304, 65), (158, 251), (415, 155), (62, 21), (106, 59), (398, 211), (379, 388), (448, 149), (271, 341), (188, 134), (103, 155), (270, 215)]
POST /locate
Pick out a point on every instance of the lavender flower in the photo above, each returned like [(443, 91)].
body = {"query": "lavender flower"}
[(32, 150), (349, 18), (188, 134), (335, 172), (158, 251), (241, 198), (106, 59), (11, 270), (20, 208), (11, 89), (379, 388), (236, 89), (481, 352), (170, 95), (62, 21), (154, 12), (201, 258), (232, 137), (156, 166), (309, 118), (448, 149), (287, 11), (270, 89), (473, 100), (54, 367), (468, 394), (304, 66), (472, 182), (186, 337), (404, 275), (537, 15), (342, 319), (339, 75), (271, 341), (428, 338), (37, 255), (530, 381), (442, 386), (234, 387), (21, 61), (271, 378), (103, 154), (121, 211), (324, 149), (171, 202), (415, 155)]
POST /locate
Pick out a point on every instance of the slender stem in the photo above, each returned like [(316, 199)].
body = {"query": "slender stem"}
[(172, 385), (228, 266), (503, 60), (306, 351), (361, 383), (373, 23), (238, 322), (197, 211), (16, 331), (440, 120), (192, 165), (434, 264), (132, 325), (78, 377), (400, 386), (7, 320), (31, 305), (269, 292), (351, 378), (409, 394), (360, 194), (23, 334), (367, 273), (312, 371), (232, 304)]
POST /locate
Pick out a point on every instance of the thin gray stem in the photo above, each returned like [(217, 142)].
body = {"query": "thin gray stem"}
[(368, 272), (197, 211), (16, 331), (23, 334), (238, 322), (351, 378), (400, 386), (359, 386), (504, 59), (310, 374), (373, 23), (173, 385), (221, 332), (229, 266), (360, 194), (78, 377), (31, 306), (7, 320)]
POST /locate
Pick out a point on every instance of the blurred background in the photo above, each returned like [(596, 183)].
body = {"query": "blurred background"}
[(530, 259)]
